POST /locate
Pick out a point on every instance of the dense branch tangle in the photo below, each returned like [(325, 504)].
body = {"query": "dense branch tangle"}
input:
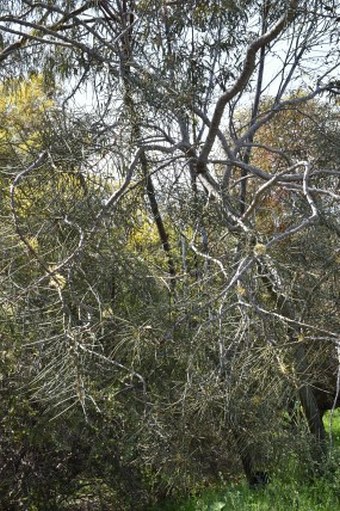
[(204, 180)]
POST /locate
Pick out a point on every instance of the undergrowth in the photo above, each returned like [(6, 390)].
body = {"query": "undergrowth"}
[(288, 489)]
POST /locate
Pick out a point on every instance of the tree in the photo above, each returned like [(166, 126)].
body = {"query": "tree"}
[(160, 280)]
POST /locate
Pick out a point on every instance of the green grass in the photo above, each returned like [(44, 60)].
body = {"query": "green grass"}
[(332, 423), (321, 495), (284, 493)]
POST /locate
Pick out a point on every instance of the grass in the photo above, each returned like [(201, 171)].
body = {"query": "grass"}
[(320, 496), (284, 493), (332, 425)]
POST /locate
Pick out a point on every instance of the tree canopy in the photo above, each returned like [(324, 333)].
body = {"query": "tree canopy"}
[(169, 178)]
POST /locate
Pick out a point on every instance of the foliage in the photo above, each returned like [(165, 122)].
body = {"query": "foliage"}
[(288, 487), (322, 497), (169, 260)]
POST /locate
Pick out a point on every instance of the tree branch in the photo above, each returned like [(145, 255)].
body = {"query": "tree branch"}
[(241, 82)]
